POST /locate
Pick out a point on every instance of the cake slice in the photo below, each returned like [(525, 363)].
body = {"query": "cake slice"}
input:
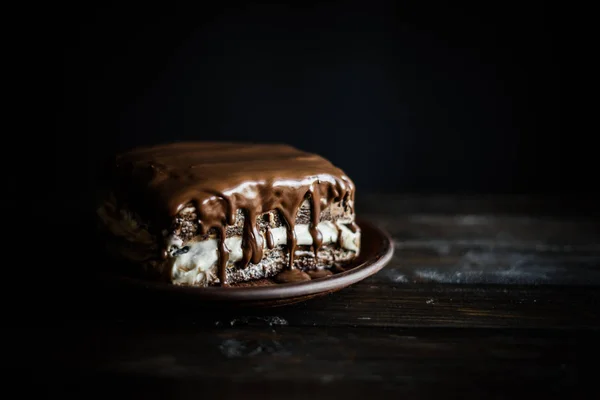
[(209, 213)]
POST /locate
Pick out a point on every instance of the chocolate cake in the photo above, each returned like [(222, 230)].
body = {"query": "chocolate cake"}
[(209, 213)]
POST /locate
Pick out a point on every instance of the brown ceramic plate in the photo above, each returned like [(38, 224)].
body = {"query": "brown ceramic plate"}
[(376, 252)]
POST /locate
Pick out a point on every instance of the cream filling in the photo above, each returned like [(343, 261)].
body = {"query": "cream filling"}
[(199, 264)]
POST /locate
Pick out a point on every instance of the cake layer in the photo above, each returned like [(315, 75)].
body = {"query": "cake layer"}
[(196, 262), (192, 260), (329, 258)]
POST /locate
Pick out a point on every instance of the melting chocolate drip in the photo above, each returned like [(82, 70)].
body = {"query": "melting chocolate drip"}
[(270, 240), (252, 243), (292, 240), (223, 255), (220, 178), (317, 237), (339, 236), (291, 276)]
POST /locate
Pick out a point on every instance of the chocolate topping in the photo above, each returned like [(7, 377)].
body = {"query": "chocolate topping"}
[(292, 275), (270, 241), (319, 273), (219, 179)]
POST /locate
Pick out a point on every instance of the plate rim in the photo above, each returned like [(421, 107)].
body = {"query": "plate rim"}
[(282, 291)]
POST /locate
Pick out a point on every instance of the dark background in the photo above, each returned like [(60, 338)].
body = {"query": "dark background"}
[(406, 97), (409, 97)]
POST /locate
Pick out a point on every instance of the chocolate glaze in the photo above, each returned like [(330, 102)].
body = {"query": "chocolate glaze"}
[(292, 275), (223, 255), (220, 178), (339, 236), (319, 273), (270, 242)]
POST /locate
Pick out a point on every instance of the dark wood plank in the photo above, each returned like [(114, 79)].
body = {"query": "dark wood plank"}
[(492, 249), (298, 362), (474, 265), (459, 306), (370, 303)]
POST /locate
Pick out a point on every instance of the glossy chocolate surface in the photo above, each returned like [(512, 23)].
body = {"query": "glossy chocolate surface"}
[(220, 178)]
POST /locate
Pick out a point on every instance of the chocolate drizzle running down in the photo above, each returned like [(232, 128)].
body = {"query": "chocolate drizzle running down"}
[(270, 240), (223, 254), (317, 237), (353, 227), (339, 236), (220, 178)]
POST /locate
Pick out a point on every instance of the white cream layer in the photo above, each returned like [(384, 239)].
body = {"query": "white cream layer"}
[(200, 261)]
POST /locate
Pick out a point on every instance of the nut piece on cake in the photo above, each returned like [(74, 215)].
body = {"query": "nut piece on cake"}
[(209, 213)]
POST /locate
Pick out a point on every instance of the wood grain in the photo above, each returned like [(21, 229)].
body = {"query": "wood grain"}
[(492, 249), (486, 296), (298, 362), (369, 303)]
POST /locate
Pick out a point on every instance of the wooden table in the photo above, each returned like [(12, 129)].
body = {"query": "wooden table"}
[(485, 297)]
